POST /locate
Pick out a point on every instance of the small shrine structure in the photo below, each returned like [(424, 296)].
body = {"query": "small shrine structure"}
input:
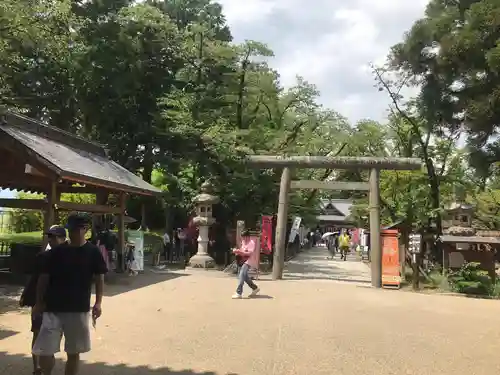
[(464, 244)]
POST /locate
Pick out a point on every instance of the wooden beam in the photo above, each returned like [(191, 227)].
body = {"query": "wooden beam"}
[(22, 181), (49, 216), (26, 204), (338, 162), (27, 182), (324, 185), (94, 208), (83, 190)]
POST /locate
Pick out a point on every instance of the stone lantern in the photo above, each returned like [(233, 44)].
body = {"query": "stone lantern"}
[(204, 203), (458, 219)]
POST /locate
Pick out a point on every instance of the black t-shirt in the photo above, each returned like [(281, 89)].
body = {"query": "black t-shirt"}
[(107, 239), (71, 272), (29, 292)]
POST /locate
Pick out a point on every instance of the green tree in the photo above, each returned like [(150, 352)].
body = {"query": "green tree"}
[(452, 55)]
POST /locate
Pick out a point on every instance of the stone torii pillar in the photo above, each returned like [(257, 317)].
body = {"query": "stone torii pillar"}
[(346, 163)]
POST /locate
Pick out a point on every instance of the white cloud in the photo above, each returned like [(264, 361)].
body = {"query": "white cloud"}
[(246, 11), (330, 43)]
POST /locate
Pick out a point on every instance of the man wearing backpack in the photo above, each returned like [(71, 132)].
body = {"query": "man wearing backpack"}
[(344, 243)]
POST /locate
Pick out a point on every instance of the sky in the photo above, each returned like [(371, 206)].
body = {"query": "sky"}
[(331, 43)]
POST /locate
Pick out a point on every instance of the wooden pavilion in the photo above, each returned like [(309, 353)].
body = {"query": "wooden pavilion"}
[(35, 157)]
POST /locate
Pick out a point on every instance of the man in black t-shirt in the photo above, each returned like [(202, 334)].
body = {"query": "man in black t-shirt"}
[(63, 295)]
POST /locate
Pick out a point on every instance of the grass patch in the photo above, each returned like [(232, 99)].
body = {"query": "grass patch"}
[(434, 280), (32, 238), (151, 239)]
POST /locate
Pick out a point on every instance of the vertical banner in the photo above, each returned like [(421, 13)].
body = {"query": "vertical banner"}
[(355, 236), (295, 229), (391, 275), (266, 236)]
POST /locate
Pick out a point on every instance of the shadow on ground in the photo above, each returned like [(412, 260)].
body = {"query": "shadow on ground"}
[(8, 304), (10, 291), (19, 364), (116, 284), (317, 266), (6, 333), (119, 283)]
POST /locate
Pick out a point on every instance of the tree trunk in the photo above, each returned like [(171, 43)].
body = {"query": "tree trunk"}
[(241, 92)]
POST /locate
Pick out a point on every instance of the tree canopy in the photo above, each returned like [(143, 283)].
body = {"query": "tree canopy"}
[(162, 84)]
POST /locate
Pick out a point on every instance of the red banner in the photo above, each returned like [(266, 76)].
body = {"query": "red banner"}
[(391, 276), (266, 235)]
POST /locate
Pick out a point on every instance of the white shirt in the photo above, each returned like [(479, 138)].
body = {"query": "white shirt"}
[(166, 239)]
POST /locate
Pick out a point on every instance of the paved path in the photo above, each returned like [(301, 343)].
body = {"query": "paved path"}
[(163, 324), (316, 264)]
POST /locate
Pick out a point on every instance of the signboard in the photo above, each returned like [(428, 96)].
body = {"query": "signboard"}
[(295, 229), (391, 275), (136, 237), (266, 237), (415, 241)]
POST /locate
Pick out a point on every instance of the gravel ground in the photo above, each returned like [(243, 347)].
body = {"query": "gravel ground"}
[(180, 323)]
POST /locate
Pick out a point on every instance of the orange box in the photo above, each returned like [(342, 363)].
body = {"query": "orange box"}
[(391, 271)]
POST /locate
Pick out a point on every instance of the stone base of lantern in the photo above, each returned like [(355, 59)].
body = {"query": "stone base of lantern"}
[(202, 261)]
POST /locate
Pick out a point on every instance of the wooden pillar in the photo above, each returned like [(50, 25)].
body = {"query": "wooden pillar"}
[(375, 239), (101, 198), (144, 226), (121, 230), (281, 225), (50, 213), (57, 216)]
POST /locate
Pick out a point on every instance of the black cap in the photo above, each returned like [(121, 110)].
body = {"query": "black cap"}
[(57, 230), (78, 220), (245, 233)]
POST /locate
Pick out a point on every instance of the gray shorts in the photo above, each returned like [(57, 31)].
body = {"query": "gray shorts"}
[(74, 326)]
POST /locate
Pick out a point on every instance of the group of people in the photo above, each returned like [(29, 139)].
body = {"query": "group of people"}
[(171, 244), (59, 294), (340, 242)]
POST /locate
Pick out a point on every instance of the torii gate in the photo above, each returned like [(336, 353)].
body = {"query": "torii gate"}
[(317, 162)]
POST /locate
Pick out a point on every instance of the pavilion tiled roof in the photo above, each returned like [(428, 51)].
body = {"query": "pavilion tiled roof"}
[(71, 157)]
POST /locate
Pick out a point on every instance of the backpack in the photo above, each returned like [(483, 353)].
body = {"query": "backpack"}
[(344, 240)]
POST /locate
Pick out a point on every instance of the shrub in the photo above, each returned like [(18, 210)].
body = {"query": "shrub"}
[(471, 279)]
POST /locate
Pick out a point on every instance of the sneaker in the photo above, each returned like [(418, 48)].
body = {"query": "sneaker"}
[(236, 296), (254, 292)]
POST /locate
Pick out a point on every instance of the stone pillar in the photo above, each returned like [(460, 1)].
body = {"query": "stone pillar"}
[(281, 225), (375, 239), (204, 202)]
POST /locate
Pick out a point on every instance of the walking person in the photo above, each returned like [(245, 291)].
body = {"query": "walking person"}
[(251, 260), (344, 243), (57, 236), (63, 296), (167, 246)]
